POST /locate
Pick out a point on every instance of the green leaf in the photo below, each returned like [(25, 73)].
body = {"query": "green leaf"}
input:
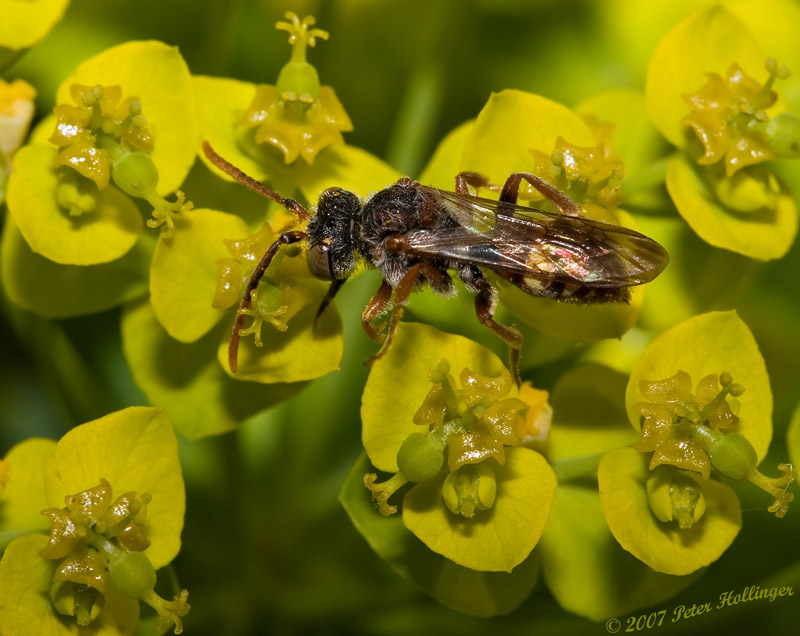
[(186, 379), (102, 235), (710, 344), (59, 291), (708, 41), (25, 23), (157, 75), (23, 501), (589, 414), (586, 569), (477, 593), (135, 450), (763, 234), (793, 437), (25, 597), (184, 271), (622, 477), (398, 383), (495, 540)]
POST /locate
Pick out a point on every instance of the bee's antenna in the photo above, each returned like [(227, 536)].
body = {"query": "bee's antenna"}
[(247, 181)]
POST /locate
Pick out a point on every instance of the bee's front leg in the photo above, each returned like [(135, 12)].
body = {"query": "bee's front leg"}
[(485, 304), (376, 306), (435, 277)]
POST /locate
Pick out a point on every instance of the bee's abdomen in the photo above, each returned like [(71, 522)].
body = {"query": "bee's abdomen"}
[(568, 291)]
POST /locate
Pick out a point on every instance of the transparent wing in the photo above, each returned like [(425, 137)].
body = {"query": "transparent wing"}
[(544, 245)]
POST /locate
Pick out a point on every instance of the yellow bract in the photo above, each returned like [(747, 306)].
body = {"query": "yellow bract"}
[(398, 384), (111, 232), (495, 540), (25, 23), (24, 499), (183, 273), (623, 476), (764, 233)]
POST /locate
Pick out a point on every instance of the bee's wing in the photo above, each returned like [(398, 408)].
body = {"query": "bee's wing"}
[(543, 245)]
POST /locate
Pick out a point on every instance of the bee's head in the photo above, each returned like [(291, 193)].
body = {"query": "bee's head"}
[(330, 235)]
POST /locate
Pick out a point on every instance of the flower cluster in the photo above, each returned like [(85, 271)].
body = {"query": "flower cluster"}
[(102, 553), (297, 115), (473, 423), (467, 447), (473, 485), (98, 544), (730, 126), (697, 431)]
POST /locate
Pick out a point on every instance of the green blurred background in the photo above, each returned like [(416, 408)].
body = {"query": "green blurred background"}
[(267, 548)]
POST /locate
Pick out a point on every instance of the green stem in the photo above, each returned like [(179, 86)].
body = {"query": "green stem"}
[(413, 129), (577, 467), (410, 144)]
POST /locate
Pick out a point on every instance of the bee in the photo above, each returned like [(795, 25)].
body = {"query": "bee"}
[(416, 235)]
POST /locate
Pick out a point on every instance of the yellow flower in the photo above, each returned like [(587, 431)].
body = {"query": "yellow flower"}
[(591, 175), (726, 117), (98, 113), (297, 115)]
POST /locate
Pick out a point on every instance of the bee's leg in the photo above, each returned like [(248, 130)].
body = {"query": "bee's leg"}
[(377, 305), (436, 278), (554, 195), (335, 286), (485, 304), (464, 179), (233, 345)]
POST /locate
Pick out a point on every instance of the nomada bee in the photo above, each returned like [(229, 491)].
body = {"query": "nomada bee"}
[(416, 235)]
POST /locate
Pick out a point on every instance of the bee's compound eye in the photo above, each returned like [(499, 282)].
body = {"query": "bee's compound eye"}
[(319, 261)]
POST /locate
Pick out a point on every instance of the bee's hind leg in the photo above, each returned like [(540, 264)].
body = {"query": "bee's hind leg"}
[(564, 204), (485, 304), (464, 179)]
